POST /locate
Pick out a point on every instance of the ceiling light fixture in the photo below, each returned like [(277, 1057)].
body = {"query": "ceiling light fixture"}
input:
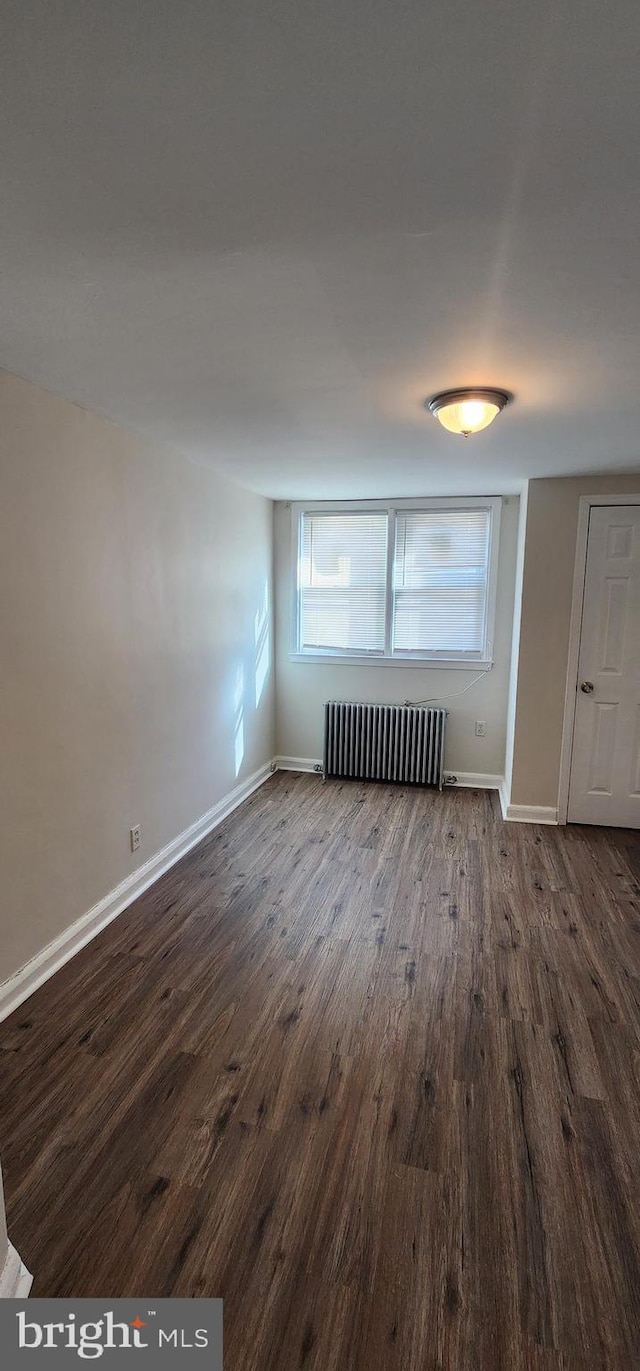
[(469, 410)]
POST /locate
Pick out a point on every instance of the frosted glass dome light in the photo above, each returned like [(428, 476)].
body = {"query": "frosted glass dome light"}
[(467, 411)]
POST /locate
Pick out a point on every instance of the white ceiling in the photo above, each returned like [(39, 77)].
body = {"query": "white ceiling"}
[(264, 232)]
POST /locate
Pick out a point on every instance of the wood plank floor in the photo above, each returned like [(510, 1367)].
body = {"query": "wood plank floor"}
[(367, 1064)]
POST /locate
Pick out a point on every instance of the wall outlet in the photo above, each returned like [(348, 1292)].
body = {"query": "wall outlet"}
[(481, 728), (134, 834)]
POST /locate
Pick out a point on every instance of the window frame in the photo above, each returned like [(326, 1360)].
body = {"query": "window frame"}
[(466, 661)]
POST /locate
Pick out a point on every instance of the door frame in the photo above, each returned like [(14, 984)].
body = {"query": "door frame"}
[(586, 504)]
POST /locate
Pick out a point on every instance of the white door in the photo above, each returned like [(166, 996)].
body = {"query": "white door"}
[(605, 762)]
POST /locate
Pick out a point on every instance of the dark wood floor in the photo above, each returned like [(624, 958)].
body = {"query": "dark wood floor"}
[(367, 1064)]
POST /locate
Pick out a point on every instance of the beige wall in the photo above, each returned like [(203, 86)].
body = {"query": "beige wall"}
[(304, 687), (547, 588), (133, 589)]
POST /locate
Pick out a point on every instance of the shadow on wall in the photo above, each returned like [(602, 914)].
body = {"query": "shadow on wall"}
[(249, 684)]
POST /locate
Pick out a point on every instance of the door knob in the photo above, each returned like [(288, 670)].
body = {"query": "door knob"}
[(587, 687)]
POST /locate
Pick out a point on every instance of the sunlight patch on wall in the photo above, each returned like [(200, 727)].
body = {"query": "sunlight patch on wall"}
[(238, 714), (263, 645)]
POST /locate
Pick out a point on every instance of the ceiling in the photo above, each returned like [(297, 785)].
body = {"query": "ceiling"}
[(263, 233)]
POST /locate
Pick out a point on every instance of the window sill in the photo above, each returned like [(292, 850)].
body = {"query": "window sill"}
[(420, 663)]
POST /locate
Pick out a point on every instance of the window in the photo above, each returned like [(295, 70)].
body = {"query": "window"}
[(440, 580), (343, 578), (396, 582)]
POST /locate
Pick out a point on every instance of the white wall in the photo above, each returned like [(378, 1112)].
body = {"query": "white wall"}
[(303, 687), (136, 680)]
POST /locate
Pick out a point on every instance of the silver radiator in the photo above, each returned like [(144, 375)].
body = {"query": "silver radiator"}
[(384, 743)]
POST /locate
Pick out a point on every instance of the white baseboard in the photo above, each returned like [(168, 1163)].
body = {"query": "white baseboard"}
[(474, 780), (15, 1280), (531, 814), (525, 814), (78, 934), (298, 763)]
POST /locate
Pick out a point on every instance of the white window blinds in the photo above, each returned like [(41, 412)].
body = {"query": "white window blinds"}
[(342, 582), (440, 581)]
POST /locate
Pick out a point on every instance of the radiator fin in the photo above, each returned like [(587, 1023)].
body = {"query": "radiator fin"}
[(384, 742)]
